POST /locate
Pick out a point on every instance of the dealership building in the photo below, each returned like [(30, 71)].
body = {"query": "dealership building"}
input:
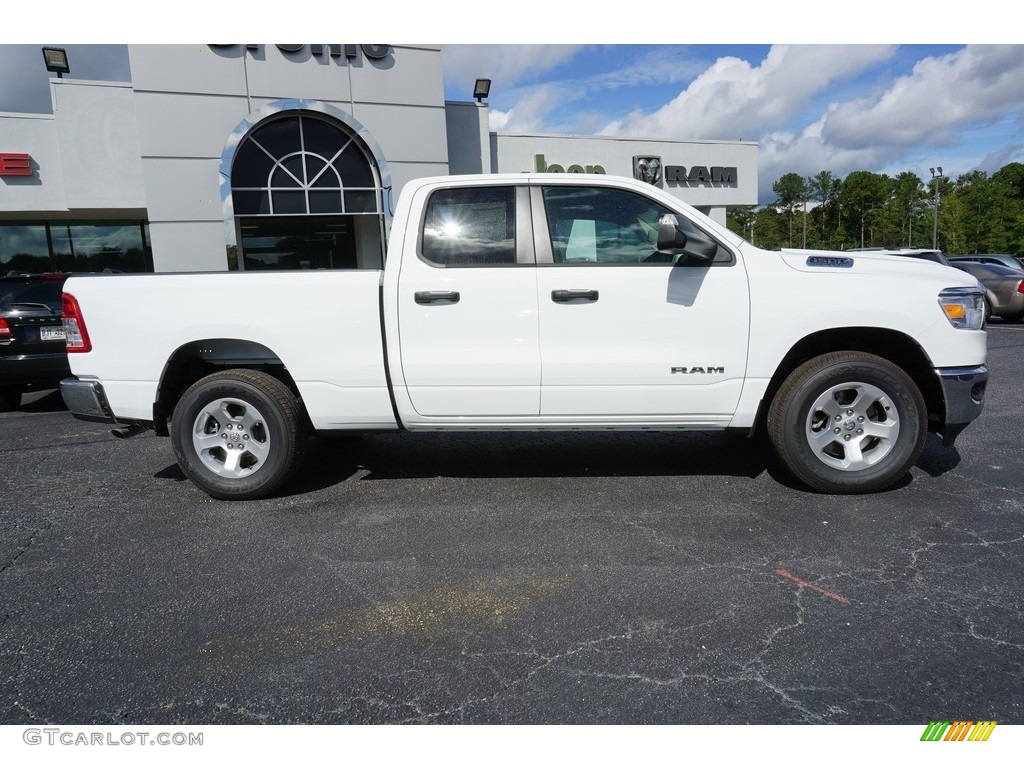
[(223, 157)]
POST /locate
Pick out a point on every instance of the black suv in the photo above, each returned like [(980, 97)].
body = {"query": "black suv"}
[(32, 353)]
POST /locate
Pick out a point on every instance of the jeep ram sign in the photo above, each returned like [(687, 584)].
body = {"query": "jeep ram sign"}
[(700, 174), (541, 166), (650, 169)]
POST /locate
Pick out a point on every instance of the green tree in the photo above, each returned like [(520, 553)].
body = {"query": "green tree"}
[(977, 213), (952, 235), (976, 194), (791, 194), (1012, 175), (908, 203), (824, 187), (863, 194), (740, 219), (1000, 228), (771, 229)]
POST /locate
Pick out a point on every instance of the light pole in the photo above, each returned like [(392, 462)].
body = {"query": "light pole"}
[(805, 224), (935, 223)]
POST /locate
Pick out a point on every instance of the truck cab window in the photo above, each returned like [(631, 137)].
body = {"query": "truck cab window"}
[(594, 225), (470, 226)]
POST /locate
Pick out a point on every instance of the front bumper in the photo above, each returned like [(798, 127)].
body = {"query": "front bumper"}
[(963, 391), (86, 400)]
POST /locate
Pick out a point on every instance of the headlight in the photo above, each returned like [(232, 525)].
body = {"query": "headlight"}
[(963, 307)]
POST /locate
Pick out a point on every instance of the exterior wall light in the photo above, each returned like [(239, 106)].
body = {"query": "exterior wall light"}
[(56, 60), (481, 89)]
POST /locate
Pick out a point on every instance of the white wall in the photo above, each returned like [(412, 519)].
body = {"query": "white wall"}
[(99, 145), (85, 156), (35, 135)]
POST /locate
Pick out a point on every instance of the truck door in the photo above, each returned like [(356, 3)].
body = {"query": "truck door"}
[(467, 305), (627, 332)]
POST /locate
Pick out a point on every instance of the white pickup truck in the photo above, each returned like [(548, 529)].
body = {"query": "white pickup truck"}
[(538, 302)]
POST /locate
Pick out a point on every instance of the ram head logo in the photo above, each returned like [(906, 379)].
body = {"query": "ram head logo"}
[(647, 169)]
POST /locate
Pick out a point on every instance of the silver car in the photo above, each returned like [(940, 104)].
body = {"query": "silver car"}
[(1004, 288), (1012, 262)]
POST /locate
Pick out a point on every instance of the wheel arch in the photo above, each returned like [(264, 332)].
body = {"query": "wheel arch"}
[(197, 359), (895, 346)]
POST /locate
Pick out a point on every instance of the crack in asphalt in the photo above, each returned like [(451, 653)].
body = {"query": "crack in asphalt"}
[(753, 671), (17, 702), (25, 547)]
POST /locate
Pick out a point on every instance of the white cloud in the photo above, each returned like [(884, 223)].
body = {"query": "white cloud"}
[(534, 105), (529, 114), (659, 64), (505, 65), (733, 99), (993, 161), (903, 125), (931, 104), (497, 120)]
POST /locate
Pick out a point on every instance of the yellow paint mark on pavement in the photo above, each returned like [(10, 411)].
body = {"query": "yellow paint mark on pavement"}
[(476, 605)]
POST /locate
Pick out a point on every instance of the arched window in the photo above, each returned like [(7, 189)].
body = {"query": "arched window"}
[(300, 164)]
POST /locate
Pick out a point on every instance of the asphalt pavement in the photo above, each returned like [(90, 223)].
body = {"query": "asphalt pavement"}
[(479, 578)]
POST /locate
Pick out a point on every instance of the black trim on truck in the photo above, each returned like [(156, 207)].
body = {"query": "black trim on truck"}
[(384, 347), (963, 391)]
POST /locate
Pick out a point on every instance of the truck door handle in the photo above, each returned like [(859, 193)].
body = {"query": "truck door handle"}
[(429, 297), (563, 297)]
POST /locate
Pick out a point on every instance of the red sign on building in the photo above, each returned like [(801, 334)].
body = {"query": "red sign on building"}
[(15, 164)]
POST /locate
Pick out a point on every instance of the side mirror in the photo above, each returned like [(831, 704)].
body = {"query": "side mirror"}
[(674, 240), (671, 239)]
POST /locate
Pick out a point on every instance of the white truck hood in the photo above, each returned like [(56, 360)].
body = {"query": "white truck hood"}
[(877, 262)]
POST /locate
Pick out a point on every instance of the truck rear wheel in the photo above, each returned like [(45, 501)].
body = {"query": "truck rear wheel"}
[(848, 422), (238, 434)]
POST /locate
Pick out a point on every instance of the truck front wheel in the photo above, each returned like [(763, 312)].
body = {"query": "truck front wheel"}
[(238, 434), (848, 422)]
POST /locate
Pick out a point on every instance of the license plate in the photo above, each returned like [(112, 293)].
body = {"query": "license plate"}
[(51, 333)]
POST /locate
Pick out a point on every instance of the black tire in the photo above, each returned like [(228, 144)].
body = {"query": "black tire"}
[(877, 437), (238, 434), (10, 398)]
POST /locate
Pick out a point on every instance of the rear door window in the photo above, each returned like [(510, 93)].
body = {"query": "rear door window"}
[(470, 226)]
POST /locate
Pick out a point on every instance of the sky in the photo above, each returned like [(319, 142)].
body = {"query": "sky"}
[(880, 107), (886, 106)]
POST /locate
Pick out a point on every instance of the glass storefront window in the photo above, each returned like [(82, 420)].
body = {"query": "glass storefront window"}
[(106, 246), (298, 242), (302, 165), (23, 248), (75, 247)]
